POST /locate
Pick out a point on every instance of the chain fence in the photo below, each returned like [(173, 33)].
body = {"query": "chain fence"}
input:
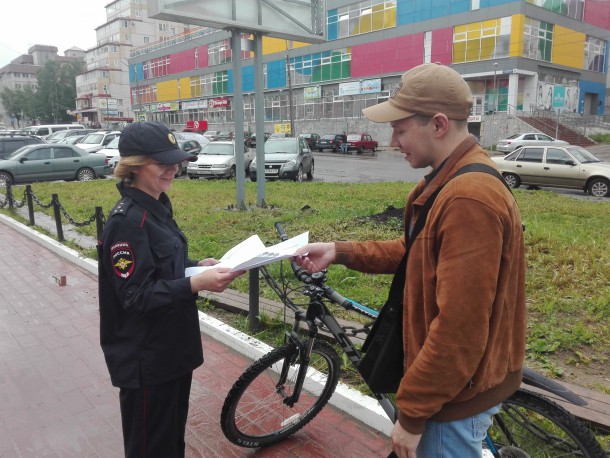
[(30, 199)]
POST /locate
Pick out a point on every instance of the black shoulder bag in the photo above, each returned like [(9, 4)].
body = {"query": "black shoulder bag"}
[(382, 363)]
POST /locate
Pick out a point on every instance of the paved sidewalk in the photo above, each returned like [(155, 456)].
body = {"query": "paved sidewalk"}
[(57, 400)]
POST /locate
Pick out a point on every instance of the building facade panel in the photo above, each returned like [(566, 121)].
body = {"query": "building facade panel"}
[(597, 13), (442, 40), (388, 56), (568, 47)]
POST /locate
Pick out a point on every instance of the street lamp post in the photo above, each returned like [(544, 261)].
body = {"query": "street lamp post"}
[(495, 87)]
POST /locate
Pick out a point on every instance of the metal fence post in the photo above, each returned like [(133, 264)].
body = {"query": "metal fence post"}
[(9, 196), (60, 231), (99, 222), (28, 196), (253, 301)]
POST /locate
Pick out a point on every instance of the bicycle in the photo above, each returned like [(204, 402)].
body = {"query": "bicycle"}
[(286, 388)]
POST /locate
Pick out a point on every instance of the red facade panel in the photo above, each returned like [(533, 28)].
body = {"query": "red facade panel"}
[(442, 46), (182, 61), (597, 12), (395, 55)]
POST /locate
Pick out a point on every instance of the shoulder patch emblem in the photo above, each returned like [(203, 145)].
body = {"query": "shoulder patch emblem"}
[(121, 257)]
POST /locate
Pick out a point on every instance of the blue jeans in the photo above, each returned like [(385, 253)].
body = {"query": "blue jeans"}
[(456, 439), (344, 148)]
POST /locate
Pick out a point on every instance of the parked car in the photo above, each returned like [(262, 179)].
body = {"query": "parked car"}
[(10, 143), (97, 140), (217, 160), (311, 140), (73, 140), (46, 162), (508, 145), (331, 141), (287, 159), (360, 142), (111, 151), (43, 131), (60, 135), (199, 138), (556, 166), (279, 135), (212, 135), (251, 141), (190, 146), (227, 136)]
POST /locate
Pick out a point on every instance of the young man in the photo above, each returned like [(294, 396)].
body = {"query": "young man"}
[(464, 297)]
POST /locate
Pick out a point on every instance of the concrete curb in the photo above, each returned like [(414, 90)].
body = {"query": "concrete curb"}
[(364, 408)]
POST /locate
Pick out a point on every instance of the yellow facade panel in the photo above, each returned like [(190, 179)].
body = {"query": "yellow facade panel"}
[(568, 47), (185, 88), (167, 90), (516, 35)]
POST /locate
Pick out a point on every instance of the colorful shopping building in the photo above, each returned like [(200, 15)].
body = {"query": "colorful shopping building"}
[(519, 57)]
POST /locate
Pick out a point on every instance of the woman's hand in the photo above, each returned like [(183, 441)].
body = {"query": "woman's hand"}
[(214, 280), (208, 262)]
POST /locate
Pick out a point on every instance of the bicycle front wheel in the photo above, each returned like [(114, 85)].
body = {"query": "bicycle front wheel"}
[(256, 412), (531, 423)]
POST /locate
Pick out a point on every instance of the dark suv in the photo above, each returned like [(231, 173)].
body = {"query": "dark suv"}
[(10, 143), (331, 141)]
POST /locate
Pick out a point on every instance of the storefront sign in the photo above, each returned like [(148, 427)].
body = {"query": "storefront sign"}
[(370, 86), (218, 103), (351, 88)]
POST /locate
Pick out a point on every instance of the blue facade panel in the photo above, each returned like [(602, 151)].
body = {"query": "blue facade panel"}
[(413, 11), (333, 30), (247, 75), (588, 87), (136, 73), (276, 74)]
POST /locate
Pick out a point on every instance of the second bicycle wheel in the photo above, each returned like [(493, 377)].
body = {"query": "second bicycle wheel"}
[(255, 412), (531, 423)]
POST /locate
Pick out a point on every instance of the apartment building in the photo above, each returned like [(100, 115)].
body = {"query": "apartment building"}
[(103, 92), (23, 71)]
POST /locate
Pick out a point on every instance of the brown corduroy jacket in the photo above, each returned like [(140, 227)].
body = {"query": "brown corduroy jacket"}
[(464, 321)]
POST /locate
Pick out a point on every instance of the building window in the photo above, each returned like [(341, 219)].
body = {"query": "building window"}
[(572, 8), (595, 54), (537, 40), (324, 66), (481, 40), (362, 17), (219, 53)]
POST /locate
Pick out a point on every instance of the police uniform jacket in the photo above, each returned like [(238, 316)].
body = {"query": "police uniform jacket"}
[(149, 326)]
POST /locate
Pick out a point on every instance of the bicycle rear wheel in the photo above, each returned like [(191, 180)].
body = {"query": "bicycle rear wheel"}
[(531, 423), (255, 412)]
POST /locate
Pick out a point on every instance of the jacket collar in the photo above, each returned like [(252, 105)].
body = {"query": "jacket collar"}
[(161, 208), (446, 170)]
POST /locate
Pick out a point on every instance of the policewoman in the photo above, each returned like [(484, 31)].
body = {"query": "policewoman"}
[(149, 327)]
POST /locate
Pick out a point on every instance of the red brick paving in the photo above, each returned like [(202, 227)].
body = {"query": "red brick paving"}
[(57, 400)]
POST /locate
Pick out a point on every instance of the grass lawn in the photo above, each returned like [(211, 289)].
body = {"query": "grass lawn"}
[(567, 243)]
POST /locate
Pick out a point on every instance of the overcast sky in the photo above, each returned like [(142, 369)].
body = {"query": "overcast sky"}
[(60, 23)]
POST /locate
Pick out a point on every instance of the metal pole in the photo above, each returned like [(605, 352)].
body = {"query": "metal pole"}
[(238, 112), (60, 230), (253, 300), (495, 88), (28, 196), (259, 113), (290, 103)]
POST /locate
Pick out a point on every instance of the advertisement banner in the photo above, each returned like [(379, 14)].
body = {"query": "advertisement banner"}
[(312, 93), (370, 86), (351, 88)]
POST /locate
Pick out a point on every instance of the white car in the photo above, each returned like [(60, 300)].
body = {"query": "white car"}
[(95, 141), (111, 151), (217, 160), (203, 140), (508, 145)]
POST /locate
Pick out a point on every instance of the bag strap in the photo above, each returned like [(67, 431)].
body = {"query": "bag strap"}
[(398, 282)]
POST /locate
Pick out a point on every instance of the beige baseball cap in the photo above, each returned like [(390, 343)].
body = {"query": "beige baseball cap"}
[(427, 89)]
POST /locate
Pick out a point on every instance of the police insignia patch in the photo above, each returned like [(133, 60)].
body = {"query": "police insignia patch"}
[(121, 257)]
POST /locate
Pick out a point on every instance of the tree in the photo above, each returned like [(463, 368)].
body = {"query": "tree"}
[(56, 90)]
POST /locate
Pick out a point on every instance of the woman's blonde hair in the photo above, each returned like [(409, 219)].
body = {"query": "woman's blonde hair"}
[(125, 167)]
